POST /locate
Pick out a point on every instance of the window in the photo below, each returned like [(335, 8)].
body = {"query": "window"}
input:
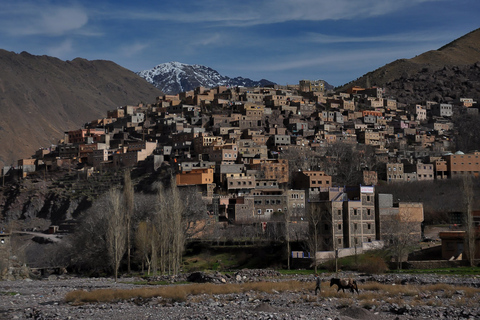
[(339, 227)]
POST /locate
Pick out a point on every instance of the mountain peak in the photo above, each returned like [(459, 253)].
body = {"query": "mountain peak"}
[(175, 77)]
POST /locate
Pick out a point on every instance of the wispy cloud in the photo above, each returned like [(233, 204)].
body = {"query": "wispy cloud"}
[(251, 12), (421, 36), (209, 39), (337, 59), (131, 50), (38, 18), (64, 49)]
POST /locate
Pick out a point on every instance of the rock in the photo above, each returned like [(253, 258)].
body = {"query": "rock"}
[(358, 313), (265, 307)]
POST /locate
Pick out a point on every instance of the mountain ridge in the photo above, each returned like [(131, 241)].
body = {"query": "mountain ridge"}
[(41, 97), (175, 77), (463, 52)]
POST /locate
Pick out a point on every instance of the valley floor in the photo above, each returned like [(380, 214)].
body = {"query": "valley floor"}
[(45, 299)]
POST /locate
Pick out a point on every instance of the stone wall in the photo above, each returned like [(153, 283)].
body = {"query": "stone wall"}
[(434, 264)]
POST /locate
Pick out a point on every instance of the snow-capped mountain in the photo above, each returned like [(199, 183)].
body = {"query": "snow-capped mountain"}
[(176, 77)]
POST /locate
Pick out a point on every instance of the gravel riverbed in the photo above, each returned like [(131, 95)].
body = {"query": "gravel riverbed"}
[(45, 299)]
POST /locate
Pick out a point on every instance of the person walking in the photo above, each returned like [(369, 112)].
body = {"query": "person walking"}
[(318, 282)]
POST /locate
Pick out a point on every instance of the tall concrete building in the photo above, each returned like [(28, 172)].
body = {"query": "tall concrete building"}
[(346, 215)]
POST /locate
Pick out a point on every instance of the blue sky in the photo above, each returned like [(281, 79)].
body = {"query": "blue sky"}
[(279, 40)]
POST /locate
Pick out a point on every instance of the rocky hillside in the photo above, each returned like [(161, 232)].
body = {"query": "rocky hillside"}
[(42, 97), (55, 197), (450, 71), (176, 77), (444, 85)]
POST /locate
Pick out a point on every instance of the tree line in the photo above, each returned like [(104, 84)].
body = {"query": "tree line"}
[(125, 230)]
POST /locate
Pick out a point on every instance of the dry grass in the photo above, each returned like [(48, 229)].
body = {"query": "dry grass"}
[(180, 292), (371, 293), (434, 303)]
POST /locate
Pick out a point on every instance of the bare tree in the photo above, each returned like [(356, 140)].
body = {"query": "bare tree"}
[(400, 237), (343, 161), (116, 232), (146, 243), (300, 161), (128, 196), (468, 223), (314, 216), (88, 242), (176, 212), (170, 224), (194, 212), (287, 236), (160, 221)]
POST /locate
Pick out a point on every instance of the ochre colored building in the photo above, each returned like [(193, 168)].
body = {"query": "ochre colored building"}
[(195, 177)]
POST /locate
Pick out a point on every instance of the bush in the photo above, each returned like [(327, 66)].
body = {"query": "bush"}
[(330, 265), (372, 265), (365, 263)]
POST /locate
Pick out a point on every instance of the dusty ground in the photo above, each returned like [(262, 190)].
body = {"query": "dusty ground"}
[(44, 299)]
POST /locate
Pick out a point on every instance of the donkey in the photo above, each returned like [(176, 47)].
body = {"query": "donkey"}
[(345, 284)]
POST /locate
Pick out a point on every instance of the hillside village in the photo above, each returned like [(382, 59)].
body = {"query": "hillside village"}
[(260, 156)]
